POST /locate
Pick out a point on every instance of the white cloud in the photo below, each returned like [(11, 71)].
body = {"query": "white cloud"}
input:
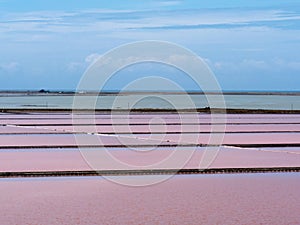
[(169, 3), (283, 64), (9, 67), (241, 66), (273, 65), (294, 65), (107, 20), (75, 66), (252, 63), (80, 66), (92, 58)]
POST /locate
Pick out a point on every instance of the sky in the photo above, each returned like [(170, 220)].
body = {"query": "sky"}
[(248, 44)]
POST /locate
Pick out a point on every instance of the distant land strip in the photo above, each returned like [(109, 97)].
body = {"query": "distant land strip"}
[(278, 145), (205, 110), (101, 146), (147, 172), (140, 124), (150, 132)]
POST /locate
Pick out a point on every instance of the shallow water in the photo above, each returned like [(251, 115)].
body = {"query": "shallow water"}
[(191, 199), (158, 101), (183, 199), (70, 160)]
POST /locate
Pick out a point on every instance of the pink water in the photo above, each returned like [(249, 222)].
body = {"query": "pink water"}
[(25, 130), (73, 160), (229, 138), (178, 128), (147, 119), (192, 199), (151, 128), (69, 140), (153, 139)]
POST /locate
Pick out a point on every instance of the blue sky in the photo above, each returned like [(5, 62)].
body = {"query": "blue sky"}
[(249, 45)]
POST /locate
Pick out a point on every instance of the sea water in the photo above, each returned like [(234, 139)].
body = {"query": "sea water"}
[(150, 101)]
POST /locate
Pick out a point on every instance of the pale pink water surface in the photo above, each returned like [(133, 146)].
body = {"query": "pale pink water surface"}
[(147, 139), (229, 138), (178, 128), (65, 140), (146, 119), (72, 159), (25, 130), (151, 128), (192, 199)]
